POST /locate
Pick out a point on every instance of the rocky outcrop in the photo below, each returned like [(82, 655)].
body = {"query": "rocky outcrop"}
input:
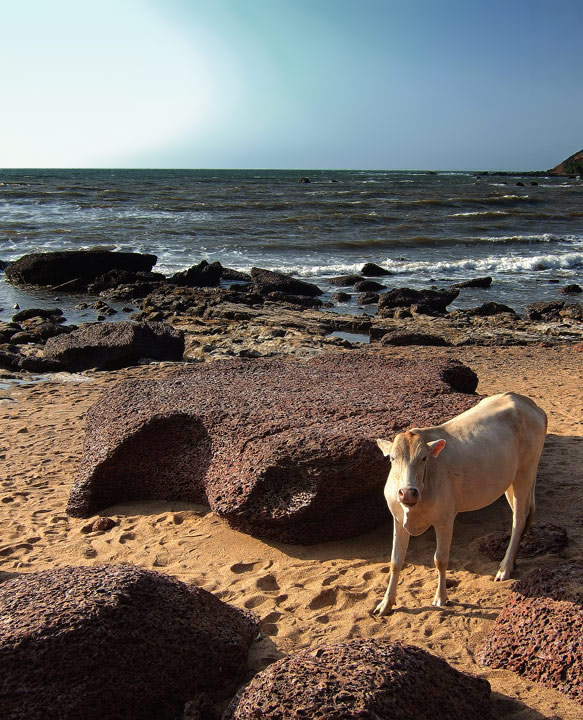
[(544, 310), (398, 337), (573, 165), (283, 449), (374, 270), (427, 302), (115, 642), (491, 308), (201, 275), (74, 269), (477, 282), (370, 679), (267, 281), (113, 279), (538, 633), (108, 346)]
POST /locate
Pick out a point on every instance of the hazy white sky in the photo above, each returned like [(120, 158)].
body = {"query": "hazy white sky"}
[(387, 84)]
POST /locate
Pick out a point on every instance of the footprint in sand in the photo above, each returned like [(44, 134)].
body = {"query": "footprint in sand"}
[(268, 625), (239, 568), (254, 601), (323, 599), (124, 537), (267, 582)]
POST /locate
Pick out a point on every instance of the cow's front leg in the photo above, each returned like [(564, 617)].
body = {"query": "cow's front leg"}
[(400, 544), (443, 535)]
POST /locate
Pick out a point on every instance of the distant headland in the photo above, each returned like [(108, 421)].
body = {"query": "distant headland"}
[(573, 165)]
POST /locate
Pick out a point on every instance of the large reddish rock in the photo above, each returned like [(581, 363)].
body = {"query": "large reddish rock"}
[(115, 642), (539, 633), (76, 268), (368, 679), (280, 448)]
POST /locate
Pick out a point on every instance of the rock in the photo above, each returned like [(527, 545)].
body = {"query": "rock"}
[(427, 301), (235, 276), (267, 281), (115, 642), (301, 300), (201, 275), (280, 448), (372, 679), (342, 297), (368, 286), (479, 282), (573, 165), (538, 633), (573, 289), (114, 278), (368, 298), (490, 308), (399, 337), (74, 269), (54, 314), (572, 312), (108, 346), (23, 338), (540, 539), (45, 330), (304, 180), (344, 280), (372, 270), (544, 310)]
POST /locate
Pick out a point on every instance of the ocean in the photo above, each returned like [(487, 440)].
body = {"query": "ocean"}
[(427, 229)]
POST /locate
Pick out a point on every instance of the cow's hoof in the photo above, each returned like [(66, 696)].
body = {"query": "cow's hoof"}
[(502, 575), (383, 609)]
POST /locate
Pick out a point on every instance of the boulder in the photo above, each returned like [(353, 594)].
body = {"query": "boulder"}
[(342, 297), (280, 448), (373, 270), (344, 280), (490, 308), (108, 346), (372, 679), (572, 312), (368, 298), (74, 269), (544, 310), (538, 633), (428, 302), (363, 286), (201, 275), (478, 282), (115, 642), (267, 281), (572, 289), (114, 278), (52, 314), (399, 337)]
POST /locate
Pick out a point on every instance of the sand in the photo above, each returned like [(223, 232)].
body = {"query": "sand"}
[(305, 596)]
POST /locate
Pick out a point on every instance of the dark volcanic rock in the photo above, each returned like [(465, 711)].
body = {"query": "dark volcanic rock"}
[(539, 632), (301, 300), (114, 278), (479, 282), (368, 679), (344, 280), (114, 642), (399, 337), (201, 275), (368, 298), (75, 268), (342, 297), (572, 312), (55, 314), (544, 310), (107, 346), (281, 448), (490, 308), (368, 286), (540, 539), (267, 281), (427, 301), (573, 289), (373, 270)]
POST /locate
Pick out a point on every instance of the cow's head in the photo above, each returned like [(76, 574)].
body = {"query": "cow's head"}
[(409, 455)]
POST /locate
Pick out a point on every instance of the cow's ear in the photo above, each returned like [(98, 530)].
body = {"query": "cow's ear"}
[(385, 446), (435, 447)]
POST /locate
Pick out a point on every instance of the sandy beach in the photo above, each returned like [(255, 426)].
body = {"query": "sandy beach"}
[(304, 596)]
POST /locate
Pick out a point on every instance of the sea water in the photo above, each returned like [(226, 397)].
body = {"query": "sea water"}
[(427, 229)]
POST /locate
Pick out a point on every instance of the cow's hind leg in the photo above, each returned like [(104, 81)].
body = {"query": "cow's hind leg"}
[(520, 496), (443, 535)]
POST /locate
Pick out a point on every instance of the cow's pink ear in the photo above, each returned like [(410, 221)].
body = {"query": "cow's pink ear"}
[(436, 447), (385, 446)]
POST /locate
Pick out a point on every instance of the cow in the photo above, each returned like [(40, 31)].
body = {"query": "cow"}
[(463, 464)]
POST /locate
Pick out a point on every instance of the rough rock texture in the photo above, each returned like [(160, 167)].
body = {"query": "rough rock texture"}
[(77, 268), (280, 448), (428, 301), (477, 282), (539, 540), (107, 346), (544, 310), (366, 679), (374, 270), (539, 633), (114, 642), (201, 275), (491, 308), (412, 338), (112, 279), (267, 281)]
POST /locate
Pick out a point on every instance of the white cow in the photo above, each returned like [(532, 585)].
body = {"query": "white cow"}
[(463, 464)]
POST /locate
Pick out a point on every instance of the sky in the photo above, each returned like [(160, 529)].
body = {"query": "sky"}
[(335, 84)]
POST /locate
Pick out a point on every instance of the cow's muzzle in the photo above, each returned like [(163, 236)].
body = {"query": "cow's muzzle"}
[(409, 496)]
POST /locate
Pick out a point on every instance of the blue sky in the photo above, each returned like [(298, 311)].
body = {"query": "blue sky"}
[(383, 84)]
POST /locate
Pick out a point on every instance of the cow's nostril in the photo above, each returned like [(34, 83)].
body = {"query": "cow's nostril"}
[(414, 492)]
